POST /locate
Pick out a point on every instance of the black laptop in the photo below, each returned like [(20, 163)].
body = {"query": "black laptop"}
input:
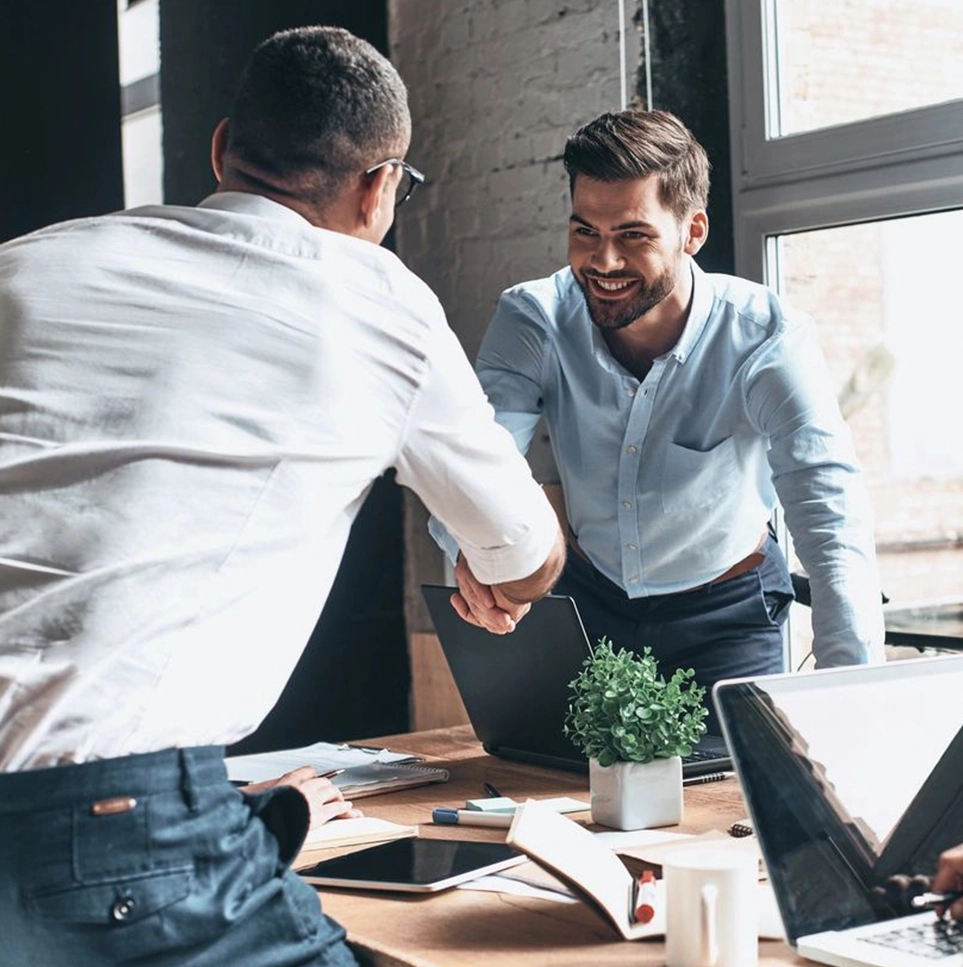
[(516, 687), (853, 776)]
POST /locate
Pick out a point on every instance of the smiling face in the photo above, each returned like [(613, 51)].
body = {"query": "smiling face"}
[(626, 248)]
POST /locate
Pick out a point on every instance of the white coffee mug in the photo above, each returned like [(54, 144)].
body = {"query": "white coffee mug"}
[(711, 907)]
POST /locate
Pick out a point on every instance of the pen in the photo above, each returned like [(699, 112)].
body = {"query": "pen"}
[(708, 777), (492, 791), (929, 901), (330, 774), (469, 817)]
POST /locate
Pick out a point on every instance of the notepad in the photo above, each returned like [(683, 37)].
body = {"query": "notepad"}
[(352, 832), (323, 756), (378, 777)]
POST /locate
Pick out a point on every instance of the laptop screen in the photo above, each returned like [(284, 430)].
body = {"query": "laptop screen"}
[(516, 687), (850, 775)]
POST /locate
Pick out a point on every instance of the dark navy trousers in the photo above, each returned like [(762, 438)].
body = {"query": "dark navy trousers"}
[(155, 860), (727, 630)]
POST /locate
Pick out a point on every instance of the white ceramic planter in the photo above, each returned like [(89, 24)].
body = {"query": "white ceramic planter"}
[(636, 795)]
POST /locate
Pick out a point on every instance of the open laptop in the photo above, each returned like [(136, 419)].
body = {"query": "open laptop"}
[(516, 687), (851, 776)]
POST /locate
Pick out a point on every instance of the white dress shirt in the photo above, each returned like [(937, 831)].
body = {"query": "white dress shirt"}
[(194, 403)]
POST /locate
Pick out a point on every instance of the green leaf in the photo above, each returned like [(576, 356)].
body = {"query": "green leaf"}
[(621, 708)]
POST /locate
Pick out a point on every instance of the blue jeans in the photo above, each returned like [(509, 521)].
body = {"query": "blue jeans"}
[(726, 630), (155, 860)]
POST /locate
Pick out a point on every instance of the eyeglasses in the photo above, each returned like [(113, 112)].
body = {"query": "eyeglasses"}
[(411, 178)]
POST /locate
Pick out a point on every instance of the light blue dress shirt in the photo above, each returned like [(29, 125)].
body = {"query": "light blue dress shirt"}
[(670, 481)]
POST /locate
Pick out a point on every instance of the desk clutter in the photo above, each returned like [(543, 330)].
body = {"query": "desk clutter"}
[(499, 811), (568, 862)]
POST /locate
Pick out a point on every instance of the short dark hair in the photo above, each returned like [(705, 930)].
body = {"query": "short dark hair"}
[(635, 144), (313, 106)]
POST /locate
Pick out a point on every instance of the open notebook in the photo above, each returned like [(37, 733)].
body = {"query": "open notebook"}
[(573, 854), (354, 832)]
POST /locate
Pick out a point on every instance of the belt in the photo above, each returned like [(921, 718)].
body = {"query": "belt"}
[(740, 567), (748, 563)]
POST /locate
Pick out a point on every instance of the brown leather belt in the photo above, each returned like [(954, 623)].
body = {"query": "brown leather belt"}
[(740, 567), (748, 563)]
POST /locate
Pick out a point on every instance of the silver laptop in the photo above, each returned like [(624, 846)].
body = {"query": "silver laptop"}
[(853, 776), (516, 687)]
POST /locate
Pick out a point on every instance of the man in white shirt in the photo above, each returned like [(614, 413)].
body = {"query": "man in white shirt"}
[(194, 403)]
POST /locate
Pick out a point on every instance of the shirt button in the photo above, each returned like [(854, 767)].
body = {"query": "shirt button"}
[(123, 908), (630, 391), (634, 579), (627, 504), (631, 449), (631, 547)]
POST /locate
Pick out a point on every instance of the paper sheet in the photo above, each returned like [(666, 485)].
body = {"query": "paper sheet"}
[(323, 756)]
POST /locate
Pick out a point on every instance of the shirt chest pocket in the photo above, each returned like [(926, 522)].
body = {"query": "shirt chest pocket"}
[(697, 478)]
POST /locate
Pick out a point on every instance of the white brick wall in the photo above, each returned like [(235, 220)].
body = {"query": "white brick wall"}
[(496, 86)]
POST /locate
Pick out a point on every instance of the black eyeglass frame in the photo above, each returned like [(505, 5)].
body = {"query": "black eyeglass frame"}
[(415, 176)]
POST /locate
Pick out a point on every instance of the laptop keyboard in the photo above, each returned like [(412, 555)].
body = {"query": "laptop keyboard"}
[(701, 755), (934, 940)]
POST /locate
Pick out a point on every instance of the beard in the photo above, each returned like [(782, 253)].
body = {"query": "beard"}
[(619, 314)]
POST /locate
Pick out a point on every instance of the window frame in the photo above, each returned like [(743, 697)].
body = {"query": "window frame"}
[(883, 167), (889, 166)]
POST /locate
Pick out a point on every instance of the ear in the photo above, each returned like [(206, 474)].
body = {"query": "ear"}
[(374, 196), (218, 149), (697, 232)]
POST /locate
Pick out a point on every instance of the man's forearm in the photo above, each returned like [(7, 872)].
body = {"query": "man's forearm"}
[(537, 585)]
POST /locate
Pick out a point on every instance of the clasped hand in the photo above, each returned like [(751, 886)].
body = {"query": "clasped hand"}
[(483, 605)]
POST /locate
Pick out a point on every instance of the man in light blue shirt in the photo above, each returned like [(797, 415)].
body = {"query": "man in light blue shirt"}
[(680, 405)]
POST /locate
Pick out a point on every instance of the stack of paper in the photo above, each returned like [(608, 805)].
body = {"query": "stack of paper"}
[(361, 771), (323, 756)]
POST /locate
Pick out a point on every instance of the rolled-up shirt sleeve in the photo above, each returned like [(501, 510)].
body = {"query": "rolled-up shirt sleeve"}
[(509, 366), (823, 494), (468, 471)]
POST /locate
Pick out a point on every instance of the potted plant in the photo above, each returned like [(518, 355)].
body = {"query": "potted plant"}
[(634, 726)]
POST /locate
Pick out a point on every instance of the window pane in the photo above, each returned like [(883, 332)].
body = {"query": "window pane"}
[(890, 323), (855, 59)]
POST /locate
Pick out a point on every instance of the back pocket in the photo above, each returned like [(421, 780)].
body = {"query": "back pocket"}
[(119, 902)]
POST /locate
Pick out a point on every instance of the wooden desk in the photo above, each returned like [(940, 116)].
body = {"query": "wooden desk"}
[(461, 928)]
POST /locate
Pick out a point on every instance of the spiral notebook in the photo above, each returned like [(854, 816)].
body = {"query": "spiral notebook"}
[(378, 777), (365, 771)]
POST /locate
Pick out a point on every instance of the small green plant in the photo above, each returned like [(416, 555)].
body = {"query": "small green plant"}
[(623, 710)]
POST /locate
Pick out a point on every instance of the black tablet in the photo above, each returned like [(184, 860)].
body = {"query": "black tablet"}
[(413, 865)]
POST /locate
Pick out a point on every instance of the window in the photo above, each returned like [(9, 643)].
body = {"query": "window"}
[(856, 59), (848, 200)]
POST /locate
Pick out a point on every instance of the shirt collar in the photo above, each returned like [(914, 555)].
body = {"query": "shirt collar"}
[(702, 299), (698, 314), (246, 203)]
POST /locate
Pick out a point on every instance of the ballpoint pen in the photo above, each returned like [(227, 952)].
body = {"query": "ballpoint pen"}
[(930, 901), (330, 774), (709, 777)]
